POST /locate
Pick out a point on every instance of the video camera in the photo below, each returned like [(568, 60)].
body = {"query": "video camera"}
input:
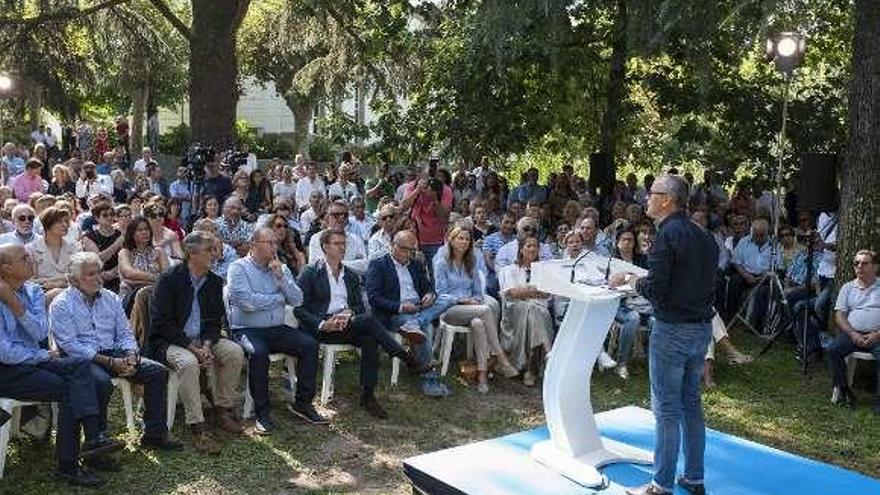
[(195, 160), (235, 159)]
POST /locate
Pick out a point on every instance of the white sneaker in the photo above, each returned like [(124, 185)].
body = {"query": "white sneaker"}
[(622, 372), (605, 361)]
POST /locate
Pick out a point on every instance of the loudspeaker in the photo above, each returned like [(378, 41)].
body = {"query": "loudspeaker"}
[(817, 182), (602, 173)]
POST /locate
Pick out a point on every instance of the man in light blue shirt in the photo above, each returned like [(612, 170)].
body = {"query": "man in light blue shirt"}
[(28, 371), (529, 191), (752, 260), (88, 322), (13, 163), (181, 189), (260, 289)]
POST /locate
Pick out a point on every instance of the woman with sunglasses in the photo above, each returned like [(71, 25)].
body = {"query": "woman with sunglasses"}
[(290, 247), (162, 237)]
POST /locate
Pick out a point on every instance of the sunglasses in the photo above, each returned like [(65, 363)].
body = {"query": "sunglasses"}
[(338, 214), (25, 218), (279, 226)]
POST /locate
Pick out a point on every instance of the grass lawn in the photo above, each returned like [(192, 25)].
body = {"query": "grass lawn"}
[(768, 401)]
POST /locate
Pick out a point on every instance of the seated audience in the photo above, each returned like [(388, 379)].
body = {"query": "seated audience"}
[(140, 263), (526, 326), (222, 254), (721, 339), (457, 277), (507, 254), (163, 237), (23, 221), (52, 252), (106, 241), (232, 227), (337, 218), (380, 242), (187, 314), (751, 263), (333, 311), (29, 371), (857, 314), (88, 323), (403, 299), (260, 288)]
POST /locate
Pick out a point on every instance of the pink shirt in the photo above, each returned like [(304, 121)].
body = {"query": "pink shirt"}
[(432, 230), (24, 185)]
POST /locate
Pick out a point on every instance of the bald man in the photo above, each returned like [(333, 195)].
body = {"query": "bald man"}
[(403, 299), (29, 371)]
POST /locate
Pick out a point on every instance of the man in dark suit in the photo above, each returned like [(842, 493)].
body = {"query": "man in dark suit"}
[(187, 313), (403, 299), (333, 310)]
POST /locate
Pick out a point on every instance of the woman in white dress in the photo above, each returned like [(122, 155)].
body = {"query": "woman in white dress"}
[(526, 326)]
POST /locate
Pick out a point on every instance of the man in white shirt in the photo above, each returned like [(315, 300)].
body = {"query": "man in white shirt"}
[(380, 242), (140, 165), (337, 218), (286, 187), (359, 222), (305, 186), (526, 226), (39, 135), (90, 182)]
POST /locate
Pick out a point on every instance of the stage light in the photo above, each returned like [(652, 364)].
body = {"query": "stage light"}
[(787, 50)]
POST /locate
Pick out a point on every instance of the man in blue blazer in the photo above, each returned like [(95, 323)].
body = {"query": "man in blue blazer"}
[(333, 310), (403, 298)]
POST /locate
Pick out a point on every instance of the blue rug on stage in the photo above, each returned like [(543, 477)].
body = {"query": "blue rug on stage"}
[(734, 466)]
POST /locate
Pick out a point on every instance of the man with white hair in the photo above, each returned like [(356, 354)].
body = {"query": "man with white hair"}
[(23, 220), (286, 187), (232, 229), (526, 226), (187, 315), (88, 322)]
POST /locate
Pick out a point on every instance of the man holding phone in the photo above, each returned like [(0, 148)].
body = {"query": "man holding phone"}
[(333, 310)]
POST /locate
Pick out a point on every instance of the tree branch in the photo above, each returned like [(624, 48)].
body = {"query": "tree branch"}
[(62, 15), (381, 80), (172, 18)]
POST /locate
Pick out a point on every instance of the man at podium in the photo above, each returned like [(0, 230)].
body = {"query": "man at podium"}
[(680, 284)]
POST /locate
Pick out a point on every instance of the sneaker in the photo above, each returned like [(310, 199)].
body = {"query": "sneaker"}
[(81, 477), (529, 379), (308, 413), (264, 426), (649, 489), (433, 387), (412, 333), (622, 372), (736, 358), (483, 388), (605, 361)]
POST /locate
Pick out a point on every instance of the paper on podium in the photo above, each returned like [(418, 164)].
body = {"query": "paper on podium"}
[(554, 277)]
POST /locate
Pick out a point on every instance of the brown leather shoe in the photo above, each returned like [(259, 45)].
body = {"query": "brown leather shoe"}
[(227, 422), (203, 441)]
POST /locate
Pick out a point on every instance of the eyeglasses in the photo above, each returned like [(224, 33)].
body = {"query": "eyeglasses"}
[(408, 249), (279, 226), (267, 241), (337, 243), (25, 218), (282, 208), (860, 263), (528, 228), (387, 217), (652, 193), (337, 214)]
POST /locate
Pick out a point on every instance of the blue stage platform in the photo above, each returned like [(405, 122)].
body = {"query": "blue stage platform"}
[(734, 466)]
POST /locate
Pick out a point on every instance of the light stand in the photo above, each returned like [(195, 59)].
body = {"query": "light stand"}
[(6, 86), (787, 50)]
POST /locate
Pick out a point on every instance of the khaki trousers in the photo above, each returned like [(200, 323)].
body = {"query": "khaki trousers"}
[(484, 329), (228, 360)]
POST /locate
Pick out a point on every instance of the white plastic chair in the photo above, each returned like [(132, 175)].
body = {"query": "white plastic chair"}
[(448, 333), (851, 362), (124, 387), (13, 407), (330, 351), (290, 362), (395, 362)]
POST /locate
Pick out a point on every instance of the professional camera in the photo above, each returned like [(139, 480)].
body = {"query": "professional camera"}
[(197, 156), (235, 159)]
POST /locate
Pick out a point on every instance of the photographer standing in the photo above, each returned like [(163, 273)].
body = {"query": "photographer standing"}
[(430, 202)]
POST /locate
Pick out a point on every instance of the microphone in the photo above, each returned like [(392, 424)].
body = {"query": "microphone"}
[(577, 262), (608, 269)]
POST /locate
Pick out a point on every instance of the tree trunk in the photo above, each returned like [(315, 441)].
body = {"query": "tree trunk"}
[(213, 69), (860, 179), (139, 98), (616, 82), (302, 109)]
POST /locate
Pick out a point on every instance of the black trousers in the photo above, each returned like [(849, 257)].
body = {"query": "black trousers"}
[(258, 343), (368, 334), (153, 376), (67, 381)]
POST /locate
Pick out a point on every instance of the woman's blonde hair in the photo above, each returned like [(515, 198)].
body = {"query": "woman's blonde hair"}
[(468, 258)]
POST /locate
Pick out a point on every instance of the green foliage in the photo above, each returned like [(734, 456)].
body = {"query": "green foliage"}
[(274, 146), (322, 150), (341, 129), (176, 140)]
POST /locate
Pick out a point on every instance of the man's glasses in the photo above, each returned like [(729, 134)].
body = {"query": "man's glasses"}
[(338, 214), (25, 218), (408, 249)]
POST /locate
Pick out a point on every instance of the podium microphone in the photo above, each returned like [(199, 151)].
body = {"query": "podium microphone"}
[(577, 262), (608, 269)]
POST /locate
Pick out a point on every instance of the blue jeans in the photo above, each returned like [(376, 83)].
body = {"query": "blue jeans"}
[(677, 351), (629, 324), (425, 351)]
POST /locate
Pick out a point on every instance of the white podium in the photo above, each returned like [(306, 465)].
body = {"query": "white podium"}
[(575, 449)]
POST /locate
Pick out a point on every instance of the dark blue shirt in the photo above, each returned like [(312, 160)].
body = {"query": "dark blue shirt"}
[(681, 272)]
